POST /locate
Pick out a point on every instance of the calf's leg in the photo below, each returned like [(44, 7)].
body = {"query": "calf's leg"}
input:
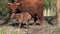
[(27, 24), (20, 24)]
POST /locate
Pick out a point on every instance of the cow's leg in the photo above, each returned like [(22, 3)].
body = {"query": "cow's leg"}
[(35, 19), (40, 16)]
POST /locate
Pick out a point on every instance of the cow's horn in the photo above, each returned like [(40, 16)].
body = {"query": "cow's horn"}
[(18, 3), (9, 3)]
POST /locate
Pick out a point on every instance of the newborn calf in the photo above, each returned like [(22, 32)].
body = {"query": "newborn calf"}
[(23, 17)]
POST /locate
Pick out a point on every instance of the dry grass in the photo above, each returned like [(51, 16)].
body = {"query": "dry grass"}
[(44, 29), (33, 30)]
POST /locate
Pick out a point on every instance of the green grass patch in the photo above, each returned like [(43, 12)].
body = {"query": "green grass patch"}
[(3, 31), (14, 32)]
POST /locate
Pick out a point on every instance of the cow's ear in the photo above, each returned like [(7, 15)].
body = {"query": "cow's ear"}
[(9, 4)]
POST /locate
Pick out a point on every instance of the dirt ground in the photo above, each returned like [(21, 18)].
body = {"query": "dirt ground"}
[(34, 29)]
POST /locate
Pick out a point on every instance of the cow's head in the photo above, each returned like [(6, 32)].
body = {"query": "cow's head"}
[(13, 6)]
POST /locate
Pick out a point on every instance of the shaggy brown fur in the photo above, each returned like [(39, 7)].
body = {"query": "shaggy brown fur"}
[(33, 7), (22, 17)]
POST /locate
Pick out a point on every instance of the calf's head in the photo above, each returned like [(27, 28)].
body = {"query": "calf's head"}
[(13, 16)]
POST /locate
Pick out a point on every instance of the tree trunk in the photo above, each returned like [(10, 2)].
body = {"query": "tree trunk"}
[(58, 11)]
